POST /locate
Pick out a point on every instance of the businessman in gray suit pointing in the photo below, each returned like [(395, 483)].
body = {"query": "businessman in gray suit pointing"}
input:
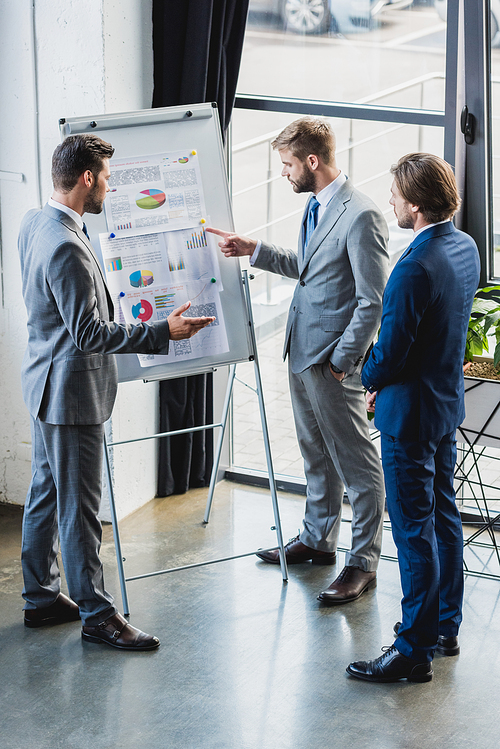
[(341, 267), (69, 380)]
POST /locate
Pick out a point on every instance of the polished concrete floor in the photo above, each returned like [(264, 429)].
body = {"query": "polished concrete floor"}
[(246, 661)]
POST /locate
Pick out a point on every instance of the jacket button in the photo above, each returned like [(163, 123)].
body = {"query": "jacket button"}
[(302, 283)]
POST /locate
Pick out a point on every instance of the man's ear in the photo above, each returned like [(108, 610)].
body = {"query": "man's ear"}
[(312, 161), (415, 208), (87, 178)]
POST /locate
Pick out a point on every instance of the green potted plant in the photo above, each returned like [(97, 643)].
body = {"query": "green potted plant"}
[(484, 322)]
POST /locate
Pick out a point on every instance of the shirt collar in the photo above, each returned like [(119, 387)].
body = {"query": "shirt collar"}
[(326, 194), (68, 211), (428, 226)]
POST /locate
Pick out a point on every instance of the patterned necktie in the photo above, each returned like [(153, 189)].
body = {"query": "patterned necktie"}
[(311, 220), (85, 231)]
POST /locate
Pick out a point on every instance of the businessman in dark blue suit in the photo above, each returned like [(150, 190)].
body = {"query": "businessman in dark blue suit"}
[(415, 376)]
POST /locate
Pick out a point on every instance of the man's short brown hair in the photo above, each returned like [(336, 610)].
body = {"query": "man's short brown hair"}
[(309, 135), (74, 156), (427, 181)]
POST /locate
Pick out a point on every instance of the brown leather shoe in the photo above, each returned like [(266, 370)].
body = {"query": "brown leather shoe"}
[(61, 611), (118, 633), (348, 586), (296, 552)]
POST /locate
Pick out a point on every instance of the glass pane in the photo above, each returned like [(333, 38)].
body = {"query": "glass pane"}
[(495, 128), (271, 210), (347, 50)]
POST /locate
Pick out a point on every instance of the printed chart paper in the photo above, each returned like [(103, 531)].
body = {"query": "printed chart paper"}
[(154, 193), (156, 303), (149, 275), (167, 258)]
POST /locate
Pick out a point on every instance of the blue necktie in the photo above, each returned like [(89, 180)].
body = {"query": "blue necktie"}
[(85, 231), (311, 220)]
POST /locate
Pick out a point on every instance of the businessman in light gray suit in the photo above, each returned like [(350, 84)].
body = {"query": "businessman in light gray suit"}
[(341, 267), (69, 381)]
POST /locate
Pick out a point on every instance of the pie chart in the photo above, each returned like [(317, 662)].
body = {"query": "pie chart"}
[(141, 278), (150, 199), (143, 310)]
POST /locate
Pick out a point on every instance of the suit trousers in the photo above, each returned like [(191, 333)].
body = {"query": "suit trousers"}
[(427, 531), (62, 508), (332, 431)]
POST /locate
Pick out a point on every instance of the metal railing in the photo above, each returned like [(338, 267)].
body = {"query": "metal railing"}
[(420, 83)]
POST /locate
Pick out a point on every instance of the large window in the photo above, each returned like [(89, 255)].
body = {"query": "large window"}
[(495, 130), (346, 50), (389, 75)]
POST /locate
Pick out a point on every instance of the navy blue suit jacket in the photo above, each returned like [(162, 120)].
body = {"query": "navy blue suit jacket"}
[(416, 366)]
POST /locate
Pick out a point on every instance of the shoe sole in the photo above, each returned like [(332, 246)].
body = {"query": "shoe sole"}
[(33, 624), (99, 641), (418, 679), (340, 601), (448, 651), (333, 560)]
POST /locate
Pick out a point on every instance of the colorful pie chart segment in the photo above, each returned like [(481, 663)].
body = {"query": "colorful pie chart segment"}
[(141, 278), (143, 310), (150, 199)]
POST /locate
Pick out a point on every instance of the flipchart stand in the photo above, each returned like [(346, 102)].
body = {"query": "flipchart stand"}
[(222, 425)]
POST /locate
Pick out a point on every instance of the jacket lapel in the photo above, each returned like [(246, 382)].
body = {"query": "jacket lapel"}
[(334, 210), (72, 226)]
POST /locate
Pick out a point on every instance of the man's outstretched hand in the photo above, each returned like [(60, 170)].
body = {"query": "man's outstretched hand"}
[(234, 245), (185, 327)]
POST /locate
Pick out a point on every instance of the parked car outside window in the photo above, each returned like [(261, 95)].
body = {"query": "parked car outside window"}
[(441, 6), (318, 16)]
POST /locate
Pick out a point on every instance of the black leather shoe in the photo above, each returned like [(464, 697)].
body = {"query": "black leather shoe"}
[(391, 666), (349, 585), (118, 633), (445, 646), (61, 611), (296, 552)]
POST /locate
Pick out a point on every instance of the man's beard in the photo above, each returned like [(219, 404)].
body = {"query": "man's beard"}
[(93, 203), (306, 182), (405, 219)]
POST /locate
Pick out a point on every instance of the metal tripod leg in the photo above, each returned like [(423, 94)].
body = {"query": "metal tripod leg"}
[(116, 532), (215, 469), (270, 469), (265, 434)]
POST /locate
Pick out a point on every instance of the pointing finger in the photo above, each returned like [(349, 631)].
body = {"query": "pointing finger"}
[(219, 232)]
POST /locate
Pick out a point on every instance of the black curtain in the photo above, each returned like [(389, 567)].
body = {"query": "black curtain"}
[(197, 48)]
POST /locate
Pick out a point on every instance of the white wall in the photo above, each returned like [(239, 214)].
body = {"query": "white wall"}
[(73, 57)]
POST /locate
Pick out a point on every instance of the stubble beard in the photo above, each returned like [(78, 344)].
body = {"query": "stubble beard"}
[(405, 219), (93, 203), (306, 182)]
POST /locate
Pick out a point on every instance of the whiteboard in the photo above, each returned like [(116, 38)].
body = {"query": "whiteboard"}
[(150, 131)]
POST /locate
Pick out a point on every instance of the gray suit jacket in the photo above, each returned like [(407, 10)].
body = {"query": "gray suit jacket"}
[(337, 304), (69, 375)]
